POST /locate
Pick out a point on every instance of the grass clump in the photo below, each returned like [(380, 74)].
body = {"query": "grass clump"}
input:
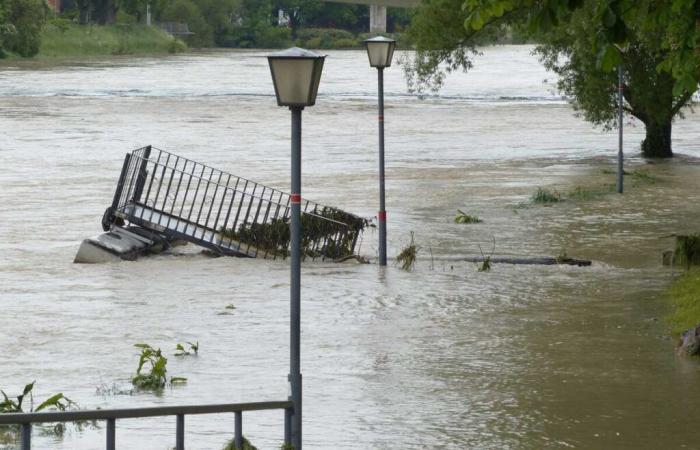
[(684, 295), (407, 257), (643, 177), (546, 196), (151, 374), (463, 217), (69, 40), (246, 445)]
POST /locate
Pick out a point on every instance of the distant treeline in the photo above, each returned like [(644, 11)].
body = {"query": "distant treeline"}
[(236, 23)]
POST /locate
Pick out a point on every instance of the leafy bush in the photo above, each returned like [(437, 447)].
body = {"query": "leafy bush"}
[(22, 21), (463, 217), (186, 11), (545, 196), (156, 377), (325, 38)]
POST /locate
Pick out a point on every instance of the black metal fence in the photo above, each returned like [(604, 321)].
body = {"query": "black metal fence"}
[(223, 212), (110, 416)]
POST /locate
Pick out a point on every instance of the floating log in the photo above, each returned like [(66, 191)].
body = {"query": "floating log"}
[(533, 261)]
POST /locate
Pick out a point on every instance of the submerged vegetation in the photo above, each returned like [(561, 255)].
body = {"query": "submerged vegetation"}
[(192, 349), (687, 252), (546, 196), (231, 445), (152, 371), (407, 257), (463, 217)]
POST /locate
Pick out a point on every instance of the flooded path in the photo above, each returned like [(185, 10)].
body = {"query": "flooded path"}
[(521, 357)]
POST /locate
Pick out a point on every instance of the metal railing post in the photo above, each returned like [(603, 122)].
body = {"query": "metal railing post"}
[(288, 426), (143, 173), (180, 432), (111, 434), (120, 183), (238, 436), (26, 431)]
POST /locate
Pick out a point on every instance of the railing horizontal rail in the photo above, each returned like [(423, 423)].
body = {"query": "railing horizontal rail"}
[(133, 413)]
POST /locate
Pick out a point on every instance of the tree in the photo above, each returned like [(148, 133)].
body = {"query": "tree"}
[(186, 11), (298, 11), (583, 41), (20, 26)]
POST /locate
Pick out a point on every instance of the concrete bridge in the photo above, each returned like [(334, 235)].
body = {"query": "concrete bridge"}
[(377, 10)]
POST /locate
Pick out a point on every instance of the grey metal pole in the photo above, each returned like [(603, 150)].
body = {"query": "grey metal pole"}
[(26, 433), (295, 294), (620, 156), (382, 205), (111, 434)]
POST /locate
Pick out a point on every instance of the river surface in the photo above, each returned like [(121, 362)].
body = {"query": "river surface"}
[(521, 357)]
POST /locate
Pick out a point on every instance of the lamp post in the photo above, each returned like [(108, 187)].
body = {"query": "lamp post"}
[(381, 51), (620, 104), (296, 74)]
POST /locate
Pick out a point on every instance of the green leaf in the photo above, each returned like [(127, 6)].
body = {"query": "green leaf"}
[(54, 401)]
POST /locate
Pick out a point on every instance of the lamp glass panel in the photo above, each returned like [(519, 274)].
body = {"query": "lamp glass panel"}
[(378, 53), (293, 79)]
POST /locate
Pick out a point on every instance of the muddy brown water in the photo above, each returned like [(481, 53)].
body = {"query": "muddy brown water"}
[(520, 357)]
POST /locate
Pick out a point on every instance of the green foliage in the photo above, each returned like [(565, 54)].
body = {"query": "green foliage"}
[(56, 401), (319, 38), (485, 266), (186, 11), (192, 349), (463, 217), (246, 445), (152, 371), (84, 41), (407, 257), (322, 234), (20, 26), (286, 447), (684, 296), (687, 252), (546, 196), (583, 41)]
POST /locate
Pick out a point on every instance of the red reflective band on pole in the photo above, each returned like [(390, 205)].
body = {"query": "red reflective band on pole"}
[(382, 216), (381, 118), (295, 198)]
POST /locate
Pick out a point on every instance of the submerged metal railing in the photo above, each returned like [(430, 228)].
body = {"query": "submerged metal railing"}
[(223, 212), (26, 420)]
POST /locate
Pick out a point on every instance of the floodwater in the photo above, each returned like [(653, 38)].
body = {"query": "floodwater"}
[(521, 357)]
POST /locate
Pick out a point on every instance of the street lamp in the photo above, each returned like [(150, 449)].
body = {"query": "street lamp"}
[(296, 74), (381, 51)]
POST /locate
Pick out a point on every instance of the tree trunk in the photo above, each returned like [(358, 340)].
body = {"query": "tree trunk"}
[(657, 143)]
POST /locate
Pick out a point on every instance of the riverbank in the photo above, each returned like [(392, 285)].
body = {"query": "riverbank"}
[(684, 295), (62, 39)]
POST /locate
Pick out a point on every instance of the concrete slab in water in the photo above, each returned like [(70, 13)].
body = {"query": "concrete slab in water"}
[(119, 244)]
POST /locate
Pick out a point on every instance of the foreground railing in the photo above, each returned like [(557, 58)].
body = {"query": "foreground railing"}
[(25, 420)]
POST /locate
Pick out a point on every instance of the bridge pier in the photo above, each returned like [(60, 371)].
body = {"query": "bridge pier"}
[(377, 19)]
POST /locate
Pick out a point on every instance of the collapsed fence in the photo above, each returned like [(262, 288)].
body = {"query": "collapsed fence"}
[(230, 215)]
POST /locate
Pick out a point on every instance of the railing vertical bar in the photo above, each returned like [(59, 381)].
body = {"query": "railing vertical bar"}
[(228, 213), (213, 200), (26, 432), (255, 220), (180, 432), (275, 216), (150, 184), (142, 175), (288, 426), (160, 185), (235, 221), (177, 189), (221, 207), (111, 434), (238, 437), (187, 190), (132, 178), (170, 184), (120, 183), (204, 199), (247, 213), (196, 191), (267, 213)]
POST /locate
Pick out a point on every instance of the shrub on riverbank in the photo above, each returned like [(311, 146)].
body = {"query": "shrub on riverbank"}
[(684, 295), (60, 39)]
